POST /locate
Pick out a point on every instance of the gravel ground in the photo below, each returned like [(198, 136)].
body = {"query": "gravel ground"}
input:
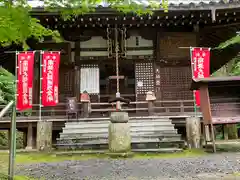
[(210, 167)]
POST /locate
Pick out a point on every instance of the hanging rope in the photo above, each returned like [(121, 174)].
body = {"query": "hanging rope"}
[(116, 53)]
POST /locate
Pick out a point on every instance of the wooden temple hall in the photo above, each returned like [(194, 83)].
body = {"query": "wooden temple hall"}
[(152, 53)]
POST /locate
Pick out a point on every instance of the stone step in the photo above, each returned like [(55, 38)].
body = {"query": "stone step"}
[(138, 133), (92, 119), (105, 125), (134, 141), (105, 136), (160, 150), (107, 120), (130, 121), (105, 130), (156, 150)]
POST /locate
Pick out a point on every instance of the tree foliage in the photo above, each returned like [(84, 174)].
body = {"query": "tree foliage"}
[(7, 92), (234, 65), (16, 24), (70, 8), (229, 42)]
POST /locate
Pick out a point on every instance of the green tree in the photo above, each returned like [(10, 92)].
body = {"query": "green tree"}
[(17, 25), (232, 67), (6, 86)]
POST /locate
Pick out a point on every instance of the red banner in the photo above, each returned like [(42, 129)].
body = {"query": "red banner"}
[(25, 62), (200, 66), (50, 75)]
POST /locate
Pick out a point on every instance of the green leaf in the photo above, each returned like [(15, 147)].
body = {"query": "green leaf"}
[(233, 40)]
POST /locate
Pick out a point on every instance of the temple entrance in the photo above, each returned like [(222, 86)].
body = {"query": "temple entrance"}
[(108, 80)]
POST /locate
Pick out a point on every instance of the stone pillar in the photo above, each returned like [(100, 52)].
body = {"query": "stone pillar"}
[(193, 131), (30, 136), (44, 136), (119, 137)]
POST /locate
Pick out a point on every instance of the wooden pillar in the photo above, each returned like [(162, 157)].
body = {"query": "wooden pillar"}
[(77, 82), (9, 138), (207, 115), (85, 108), (150, 108), (77, 70), (25, 138), (30, 136), (225, 131)]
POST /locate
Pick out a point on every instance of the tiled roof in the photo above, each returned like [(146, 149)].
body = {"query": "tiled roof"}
[(172, 3)]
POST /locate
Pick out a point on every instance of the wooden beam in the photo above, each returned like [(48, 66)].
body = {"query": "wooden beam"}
[(207, 115), (220, 26), (205, 104)]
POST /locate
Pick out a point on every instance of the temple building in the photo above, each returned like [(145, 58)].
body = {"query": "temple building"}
[(152, 51)]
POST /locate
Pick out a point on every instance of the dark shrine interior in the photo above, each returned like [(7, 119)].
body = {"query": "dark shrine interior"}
[(108, 82)]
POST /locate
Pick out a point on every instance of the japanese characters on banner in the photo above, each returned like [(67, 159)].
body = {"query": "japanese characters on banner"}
[(50, 76), (25, 62), (200, 66)]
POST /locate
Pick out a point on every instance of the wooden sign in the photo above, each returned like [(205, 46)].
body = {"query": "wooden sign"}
[(90, 80)]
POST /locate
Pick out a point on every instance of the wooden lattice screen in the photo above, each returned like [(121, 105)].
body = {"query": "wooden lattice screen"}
[(174, 83), (66, 83), (144, 75)]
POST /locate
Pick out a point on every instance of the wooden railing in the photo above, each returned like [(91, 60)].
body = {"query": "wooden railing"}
[(220, 107), (139, 108)]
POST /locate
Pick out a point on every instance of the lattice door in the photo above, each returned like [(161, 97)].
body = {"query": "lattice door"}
[(175, 83), (144, 79), (66, 83)]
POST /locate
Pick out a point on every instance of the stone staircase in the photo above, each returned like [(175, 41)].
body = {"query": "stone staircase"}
[(148, 133)]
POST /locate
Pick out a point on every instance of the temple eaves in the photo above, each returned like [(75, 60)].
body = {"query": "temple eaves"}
[(172, 4)]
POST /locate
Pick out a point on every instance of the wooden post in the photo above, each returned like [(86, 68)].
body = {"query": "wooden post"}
[(225, 131), (150, 98), (86, 104), (207, 115), (207, 133), (181, 107), (85, 108), (9, 138), (150, 108), (30, 136), (193, 131)]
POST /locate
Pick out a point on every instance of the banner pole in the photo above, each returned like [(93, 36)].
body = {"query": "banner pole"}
[(12, 152), (194, 98), (40, 86)]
